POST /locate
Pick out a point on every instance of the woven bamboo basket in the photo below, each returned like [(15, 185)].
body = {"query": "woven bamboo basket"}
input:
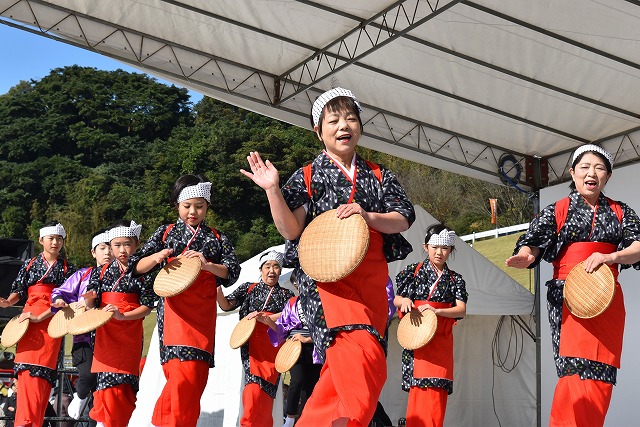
[(589, 294), (417, 328)]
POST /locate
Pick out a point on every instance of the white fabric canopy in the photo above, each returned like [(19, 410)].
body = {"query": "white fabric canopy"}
[(454, 84), (492, 294)]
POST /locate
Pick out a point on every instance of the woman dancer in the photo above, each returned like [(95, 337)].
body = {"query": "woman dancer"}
[(349, 316), (586, 226)]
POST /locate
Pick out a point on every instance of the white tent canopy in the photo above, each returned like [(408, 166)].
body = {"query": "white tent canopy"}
[(492, 295), (454, 84)]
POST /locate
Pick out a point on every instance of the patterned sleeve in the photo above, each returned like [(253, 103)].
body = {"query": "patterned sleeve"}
[(541, 234), (294, 191), (630, 231), (237, 297), (460, 286), (71, 269), (404, 281), (229, 260), (395, 199), (151, 246), (147, 296), (20, 285)]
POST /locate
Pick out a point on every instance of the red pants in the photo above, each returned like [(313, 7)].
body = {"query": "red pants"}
[(179, 403), (257, 407), (578, 402), (113, 406), (426, 407), (30, 411), (350, 382)]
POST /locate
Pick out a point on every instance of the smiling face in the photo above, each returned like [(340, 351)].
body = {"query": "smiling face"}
[(193, 211), (270, 272), (340, 132), (590, 176)]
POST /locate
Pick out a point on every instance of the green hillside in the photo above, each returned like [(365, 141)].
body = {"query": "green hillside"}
[(498, 250)]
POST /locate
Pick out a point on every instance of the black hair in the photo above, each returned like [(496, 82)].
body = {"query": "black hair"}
[(339, 103), (436, 229), (183, 182), (581, 155)]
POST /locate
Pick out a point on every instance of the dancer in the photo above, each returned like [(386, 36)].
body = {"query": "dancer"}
[(118, 344), (263, 300), (586, 226), (349, 317), (71, 291), (187, 321), (292, 324), (427, 373), (37, 353)]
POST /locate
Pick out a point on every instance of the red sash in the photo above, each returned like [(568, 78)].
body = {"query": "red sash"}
[(361, 297), (262, 354), (435, 360), (598, 338), (190, 317), (36, 347), (118, 346)]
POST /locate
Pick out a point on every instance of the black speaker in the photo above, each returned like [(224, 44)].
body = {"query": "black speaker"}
[(13, 253)]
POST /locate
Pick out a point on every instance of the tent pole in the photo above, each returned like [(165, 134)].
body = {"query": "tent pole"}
[(536, 283)]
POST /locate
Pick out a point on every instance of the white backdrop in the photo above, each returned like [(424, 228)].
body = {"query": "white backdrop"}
[(622, 412)]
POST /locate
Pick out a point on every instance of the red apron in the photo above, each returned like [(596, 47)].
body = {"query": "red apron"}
[(435, 360), (262, 354), (599, 338), (361, 297), (36, 347), (118, 345), (190, 317)]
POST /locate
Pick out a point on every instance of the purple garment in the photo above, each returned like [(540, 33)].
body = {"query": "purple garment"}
[(288, 321), (71, 291), (390, 296)]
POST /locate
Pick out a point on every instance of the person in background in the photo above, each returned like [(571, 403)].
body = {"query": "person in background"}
[(292, 324), (37, 353), (263, 300), (585, 226), (350, 315), (427, 372), (118, 343), (187, 321), (70, 292)]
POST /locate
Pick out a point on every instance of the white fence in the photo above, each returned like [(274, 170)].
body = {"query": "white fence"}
[(495, 233)]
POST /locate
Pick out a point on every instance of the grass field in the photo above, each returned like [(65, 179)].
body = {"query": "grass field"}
[(498, 250)]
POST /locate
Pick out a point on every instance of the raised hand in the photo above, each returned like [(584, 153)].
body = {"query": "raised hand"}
[(264, 174)]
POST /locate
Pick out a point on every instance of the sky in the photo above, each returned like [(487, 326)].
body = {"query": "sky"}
[(28, 56)]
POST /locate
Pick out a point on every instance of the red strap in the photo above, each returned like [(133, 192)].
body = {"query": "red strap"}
[(415, 272), (292, 302), (562, 208), (306, 171), (253, 285), (170, 226), (375, 168), (30, 263), (104, 268), (86, 273)]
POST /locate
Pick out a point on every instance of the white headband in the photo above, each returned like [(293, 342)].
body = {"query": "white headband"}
[(594, 148), (271, 256), (100, 238), (132, 231), (54, 229), (323, 99), (445, 238), (201, 189)]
